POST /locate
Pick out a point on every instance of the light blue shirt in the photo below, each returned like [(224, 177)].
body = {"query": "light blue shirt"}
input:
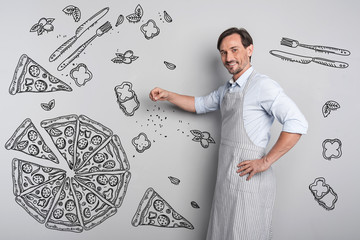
[(264, 101)]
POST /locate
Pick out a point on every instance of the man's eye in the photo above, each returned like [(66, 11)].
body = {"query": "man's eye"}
[(234, 50)]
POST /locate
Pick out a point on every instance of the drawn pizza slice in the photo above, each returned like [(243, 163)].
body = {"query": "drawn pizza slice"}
[(65, 213), (63, 132), (92, 208), (29, 76), (111, 157), (110, 187), (27, 139), (38, 201), (153, 210), (91, 136), (27, 175)]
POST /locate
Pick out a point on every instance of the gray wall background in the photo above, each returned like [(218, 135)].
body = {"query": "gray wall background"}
[(190, 43)]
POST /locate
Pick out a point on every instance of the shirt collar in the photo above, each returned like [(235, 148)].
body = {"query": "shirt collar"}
[(242, 79)]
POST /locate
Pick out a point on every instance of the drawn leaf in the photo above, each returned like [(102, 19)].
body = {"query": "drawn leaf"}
[(196, 133), (174, 180), (76, 14), (211, 140), (139, 11), (40, 30), (35, 27), (197, 139), (133, 18), (332, 105), (69, 9), (194, 204), (49, 20), (117, 60), (167, 17)]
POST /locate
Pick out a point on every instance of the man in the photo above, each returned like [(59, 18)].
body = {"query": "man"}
[(245, 186)]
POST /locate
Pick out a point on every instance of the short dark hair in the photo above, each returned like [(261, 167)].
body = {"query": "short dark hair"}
[(246, 39)]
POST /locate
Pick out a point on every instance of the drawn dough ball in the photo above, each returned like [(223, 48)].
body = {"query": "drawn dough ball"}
[(99, 157), (163, 220), (38, 178), (159, 205), (40, 85), (46, 192), (91, 198), (60, 143), (26, 168), (58, 213), (96, 140), (34, 70), (102, 179), (69, 131), (69, 205), (32, 135), (33, 150), (82, 143), (113, 180)]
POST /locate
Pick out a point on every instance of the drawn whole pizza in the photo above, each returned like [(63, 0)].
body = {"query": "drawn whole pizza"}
[(85, 192)]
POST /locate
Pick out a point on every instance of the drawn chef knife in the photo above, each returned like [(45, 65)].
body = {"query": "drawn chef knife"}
[(306, 59), (79, 31)]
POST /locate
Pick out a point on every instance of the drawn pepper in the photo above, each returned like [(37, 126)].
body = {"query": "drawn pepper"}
[(331, 148)]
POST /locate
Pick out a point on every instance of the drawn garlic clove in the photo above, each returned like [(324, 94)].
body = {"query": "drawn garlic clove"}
[(174, 180), (169, 65), (167, 17), (194, 204), (120, 20)]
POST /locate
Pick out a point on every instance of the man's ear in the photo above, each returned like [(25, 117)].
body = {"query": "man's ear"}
[(250, 50)]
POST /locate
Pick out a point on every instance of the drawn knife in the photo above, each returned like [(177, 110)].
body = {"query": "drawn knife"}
[(79, 31), (306, 59)]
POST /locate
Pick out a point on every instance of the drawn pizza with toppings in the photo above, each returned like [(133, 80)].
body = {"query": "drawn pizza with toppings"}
[(85, 192)]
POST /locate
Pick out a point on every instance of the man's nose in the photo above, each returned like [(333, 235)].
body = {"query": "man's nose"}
[(229, 57)]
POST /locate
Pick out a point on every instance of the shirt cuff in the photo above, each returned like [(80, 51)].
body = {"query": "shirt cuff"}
[(295, 126), (199, 105)]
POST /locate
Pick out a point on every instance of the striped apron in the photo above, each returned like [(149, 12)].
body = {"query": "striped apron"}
[(241, 209)]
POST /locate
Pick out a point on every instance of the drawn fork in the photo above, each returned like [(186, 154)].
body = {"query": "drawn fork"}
[(324, 49), (99, 32)]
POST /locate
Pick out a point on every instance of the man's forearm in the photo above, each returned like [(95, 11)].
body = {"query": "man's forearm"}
[(285, 142), (187, 103)]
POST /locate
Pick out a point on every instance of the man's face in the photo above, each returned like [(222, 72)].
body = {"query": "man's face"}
[(234, 56)]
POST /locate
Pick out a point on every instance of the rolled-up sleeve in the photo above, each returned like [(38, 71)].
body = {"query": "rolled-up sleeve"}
[(209, 102), (283, 108)]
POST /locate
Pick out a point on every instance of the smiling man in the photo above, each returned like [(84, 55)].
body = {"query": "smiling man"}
[(249, 102)]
